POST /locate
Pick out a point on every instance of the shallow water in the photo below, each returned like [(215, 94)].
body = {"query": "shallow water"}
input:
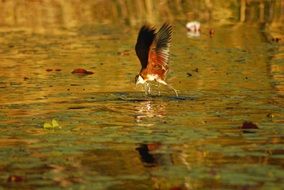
[(113, 137)]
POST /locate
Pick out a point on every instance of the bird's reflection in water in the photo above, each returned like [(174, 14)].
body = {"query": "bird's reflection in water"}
[(150, 159), (149, 109), (147, 112), (157, 155), (146, 157)]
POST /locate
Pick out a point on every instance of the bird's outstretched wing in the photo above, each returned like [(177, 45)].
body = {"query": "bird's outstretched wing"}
[(145, 38), (159, 50)]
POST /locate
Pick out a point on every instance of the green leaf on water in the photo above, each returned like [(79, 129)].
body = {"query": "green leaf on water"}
[(53, 125), (47, 126)]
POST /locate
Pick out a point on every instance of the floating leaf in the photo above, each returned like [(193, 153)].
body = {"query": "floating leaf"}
[(82, 71), (15, 178), (47, 126), (53, 125), (249, 127)]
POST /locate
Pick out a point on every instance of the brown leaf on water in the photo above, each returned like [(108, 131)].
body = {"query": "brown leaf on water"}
[(15, 178), (248, 127), (82, 71)]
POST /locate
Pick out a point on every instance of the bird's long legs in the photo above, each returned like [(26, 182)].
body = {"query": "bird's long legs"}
[(147, 88), (169, 86)]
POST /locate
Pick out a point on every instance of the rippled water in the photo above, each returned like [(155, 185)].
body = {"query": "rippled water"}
[(113, 137)]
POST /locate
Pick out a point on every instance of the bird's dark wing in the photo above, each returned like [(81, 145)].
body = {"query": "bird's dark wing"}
[(160, 49), (145, 38)]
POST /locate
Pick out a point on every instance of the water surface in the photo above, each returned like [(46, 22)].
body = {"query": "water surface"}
[(114, 137)]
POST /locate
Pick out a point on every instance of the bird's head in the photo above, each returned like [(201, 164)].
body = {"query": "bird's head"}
[(139, 80)]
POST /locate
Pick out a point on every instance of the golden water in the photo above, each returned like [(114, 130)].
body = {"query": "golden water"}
[(111, 135)]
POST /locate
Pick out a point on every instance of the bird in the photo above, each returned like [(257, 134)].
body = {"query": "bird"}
[(152, 48), (193, 29), (193, 26)]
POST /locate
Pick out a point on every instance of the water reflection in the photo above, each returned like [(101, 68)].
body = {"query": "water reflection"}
[(56, 16), (157, 159), (152, 142), (193, 29), (158, 156), (277, 68), (192, 34), (149, 109)]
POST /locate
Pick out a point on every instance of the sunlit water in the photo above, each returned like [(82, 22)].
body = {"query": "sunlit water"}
[(113, 137)]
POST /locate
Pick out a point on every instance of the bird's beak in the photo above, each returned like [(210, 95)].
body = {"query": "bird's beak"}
[(139, 80)]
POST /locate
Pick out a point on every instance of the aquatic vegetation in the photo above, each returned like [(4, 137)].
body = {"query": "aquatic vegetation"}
[(52, 125), (63, 130)]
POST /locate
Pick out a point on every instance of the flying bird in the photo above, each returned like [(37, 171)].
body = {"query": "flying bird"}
[(152, 49)]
